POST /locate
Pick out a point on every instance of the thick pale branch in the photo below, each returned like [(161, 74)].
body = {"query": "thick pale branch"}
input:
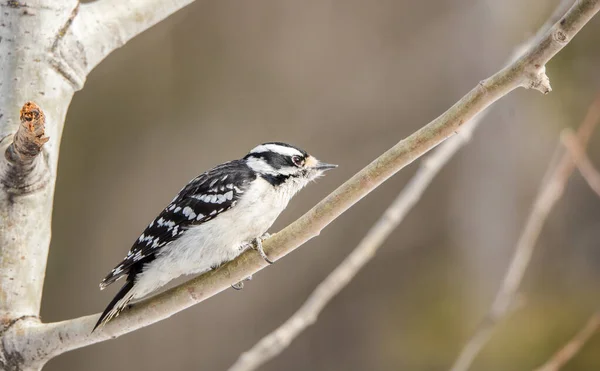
[(550, 192), (23, 169), (57, 338), (566, 353), (585, 166), (28, 168), (44, 50)]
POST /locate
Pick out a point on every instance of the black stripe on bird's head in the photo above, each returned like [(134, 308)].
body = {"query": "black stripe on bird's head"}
[(277, 162)]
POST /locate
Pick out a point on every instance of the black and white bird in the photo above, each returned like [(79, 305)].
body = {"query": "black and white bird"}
[(213, 219)]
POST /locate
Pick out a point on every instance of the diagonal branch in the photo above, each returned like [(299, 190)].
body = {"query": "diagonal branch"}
[(275, 342), (527, 71), (550, 192), (585, 166), (567, 352)]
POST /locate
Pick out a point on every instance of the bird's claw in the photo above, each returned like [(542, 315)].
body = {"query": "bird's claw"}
[(240, 285), (257, 245)]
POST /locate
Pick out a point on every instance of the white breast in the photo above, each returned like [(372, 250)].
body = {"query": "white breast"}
[(218, 240)]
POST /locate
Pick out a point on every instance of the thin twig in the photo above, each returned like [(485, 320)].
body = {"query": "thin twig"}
[(567, 352), (583, 162), (550, 192), (275, 342), (528, 71)]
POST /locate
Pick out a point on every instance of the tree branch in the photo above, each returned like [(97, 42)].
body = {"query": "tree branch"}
[(97, 28), (566, 353), (58, 43), (46, 50), (28, 176), (550, 192), (22, 171), (527, 71), (585, 166), (275, 342)]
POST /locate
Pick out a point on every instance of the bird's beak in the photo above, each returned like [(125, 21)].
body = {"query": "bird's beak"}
[(314, 164), (323, 166)]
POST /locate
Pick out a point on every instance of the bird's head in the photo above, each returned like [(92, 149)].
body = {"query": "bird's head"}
[(280, 162)]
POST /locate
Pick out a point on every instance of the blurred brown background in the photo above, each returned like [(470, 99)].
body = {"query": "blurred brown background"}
[(346, 80)]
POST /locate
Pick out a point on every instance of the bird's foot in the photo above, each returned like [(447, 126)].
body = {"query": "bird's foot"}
[(257, 245), (240, 285)]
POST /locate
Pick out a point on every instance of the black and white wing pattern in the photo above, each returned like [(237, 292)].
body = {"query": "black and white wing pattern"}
[(201, 200)]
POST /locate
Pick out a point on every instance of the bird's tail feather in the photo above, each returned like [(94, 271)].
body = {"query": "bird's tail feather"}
[(119, 303)]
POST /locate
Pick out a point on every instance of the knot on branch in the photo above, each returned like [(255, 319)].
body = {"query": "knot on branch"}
[(560, 37), (538, 80), (29, 139), (25, 169)]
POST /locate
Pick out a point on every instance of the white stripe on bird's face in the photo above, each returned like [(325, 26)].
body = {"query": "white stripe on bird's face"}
[(260, 166), (283, 150)]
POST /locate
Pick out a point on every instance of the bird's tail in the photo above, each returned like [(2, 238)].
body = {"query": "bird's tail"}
[(119, 303)]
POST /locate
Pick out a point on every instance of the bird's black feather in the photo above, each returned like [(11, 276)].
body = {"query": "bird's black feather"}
[(201, 200), (120, 295)]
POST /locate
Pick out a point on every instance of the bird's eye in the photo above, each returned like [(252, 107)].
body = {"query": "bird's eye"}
[(297, 160)]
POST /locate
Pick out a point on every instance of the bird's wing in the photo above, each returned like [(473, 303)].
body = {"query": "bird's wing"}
[(201, 200)]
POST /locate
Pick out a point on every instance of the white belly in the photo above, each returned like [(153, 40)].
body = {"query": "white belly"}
[(217, 241)]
